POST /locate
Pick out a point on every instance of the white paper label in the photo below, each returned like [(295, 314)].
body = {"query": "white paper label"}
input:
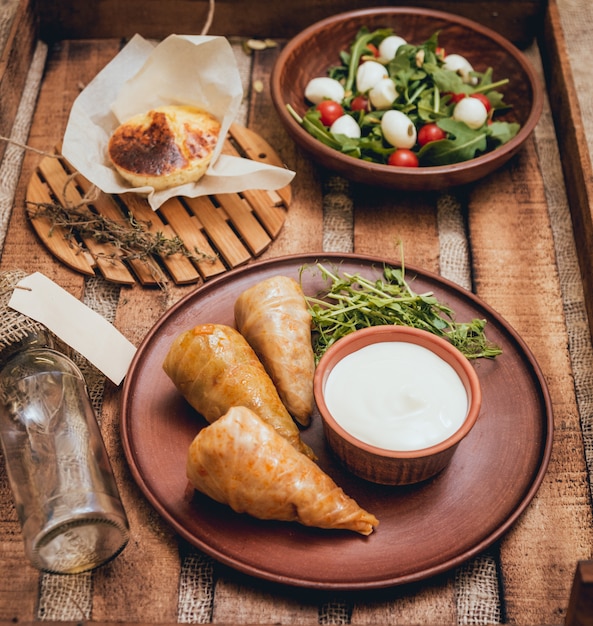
[(76, 324)]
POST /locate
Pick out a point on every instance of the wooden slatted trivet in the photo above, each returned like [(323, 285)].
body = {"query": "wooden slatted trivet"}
[(230, 229)]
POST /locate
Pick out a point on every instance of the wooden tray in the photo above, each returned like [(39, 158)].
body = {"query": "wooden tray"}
[(231, 228)]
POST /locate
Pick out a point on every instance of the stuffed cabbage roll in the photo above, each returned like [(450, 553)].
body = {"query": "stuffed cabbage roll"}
[(241, 461), (273, 317), (215, 368)]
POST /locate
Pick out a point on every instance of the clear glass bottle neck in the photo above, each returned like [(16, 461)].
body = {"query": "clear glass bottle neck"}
[(30, 341)]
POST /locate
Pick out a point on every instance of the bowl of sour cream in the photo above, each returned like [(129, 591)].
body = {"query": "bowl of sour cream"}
[(396, 402)]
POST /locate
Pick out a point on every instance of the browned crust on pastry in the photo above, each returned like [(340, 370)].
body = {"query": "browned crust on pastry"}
[(164, 147)]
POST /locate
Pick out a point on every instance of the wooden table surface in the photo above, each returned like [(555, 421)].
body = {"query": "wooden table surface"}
[(508, 238)]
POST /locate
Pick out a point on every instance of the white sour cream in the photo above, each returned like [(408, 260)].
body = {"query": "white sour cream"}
[(396, 396)]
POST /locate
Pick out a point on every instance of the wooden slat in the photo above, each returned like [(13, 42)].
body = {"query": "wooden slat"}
[(512, 251), (255, 147), (68, 66), (191, 228), (251, 231), (572, 141), (178, 265), (219, 231), (269, 206), (55, 238), (580, 606), (17, 46), (234, 227), (142, 583), (385, 223), (303, 228), (117, 271), (517, 20), (302, 232), (104, 255), (267, 209)]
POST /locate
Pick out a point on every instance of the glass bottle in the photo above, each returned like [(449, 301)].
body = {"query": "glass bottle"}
[(65, 493)]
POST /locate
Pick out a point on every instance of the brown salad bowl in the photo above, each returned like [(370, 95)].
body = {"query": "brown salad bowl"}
[(316, 49)]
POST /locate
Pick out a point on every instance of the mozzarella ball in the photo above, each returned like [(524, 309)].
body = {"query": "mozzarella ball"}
[(345, 125), (389, 46), (398, 129), (460, 65), (470, 111), (369, 74), (324, 88), (383, 94)]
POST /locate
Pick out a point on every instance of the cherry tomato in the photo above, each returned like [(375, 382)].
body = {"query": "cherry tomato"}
[(330, 111), (402, 157), (373, 49), (430, 132), (360, 103), (483, 99), (456, 97)]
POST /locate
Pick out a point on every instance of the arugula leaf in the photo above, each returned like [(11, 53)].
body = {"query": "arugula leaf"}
[(501, 132), (372, 148), (359, 46), (311, 122), (432, 107), (447, 81), (463, 144), (486, 79), (348, 145)]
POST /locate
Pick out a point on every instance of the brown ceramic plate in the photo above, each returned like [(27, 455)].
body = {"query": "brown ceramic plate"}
[(424, 530), (317, 48)]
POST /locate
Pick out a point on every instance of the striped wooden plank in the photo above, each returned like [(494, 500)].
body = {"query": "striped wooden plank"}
[(271, 214), (219, 232), (196, 242), (67, 192), (179, 266), (241, 214), (107, 207), (55, 238)]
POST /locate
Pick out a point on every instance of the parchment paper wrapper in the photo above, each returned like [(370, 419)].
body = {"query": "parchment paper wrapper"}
[(193, 70)]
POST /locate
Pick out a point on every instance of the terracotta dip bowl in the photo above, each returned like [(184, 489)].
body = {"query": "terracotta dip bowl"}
[(423, 376), (313, 51)]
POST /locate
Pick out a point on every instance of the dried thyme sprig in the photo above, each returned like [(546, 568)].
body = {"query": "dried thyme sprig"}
[(352, 302), (131, 237)]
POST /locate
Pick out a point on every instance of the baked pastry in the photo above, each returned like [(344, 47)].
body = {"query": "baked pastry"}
[(274, 318), (214, 368), (164, 147), (241, 461)]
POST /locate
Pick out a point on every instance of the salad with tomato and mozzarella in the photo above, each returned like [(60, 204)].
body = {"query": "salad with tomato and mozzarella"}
[(400, 104)]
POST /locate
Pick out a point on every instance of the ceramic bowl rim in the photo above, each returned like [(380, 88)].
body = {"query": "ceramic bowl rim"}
[(438, 345)]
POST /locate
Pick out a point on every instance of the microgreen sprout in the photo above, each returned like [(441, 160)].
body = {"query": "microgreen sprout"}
[(352, 302)]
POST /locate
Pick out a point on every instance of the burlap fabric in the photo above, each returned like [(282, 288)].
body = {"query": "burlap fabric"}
[(14, 326), (477, 582)]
